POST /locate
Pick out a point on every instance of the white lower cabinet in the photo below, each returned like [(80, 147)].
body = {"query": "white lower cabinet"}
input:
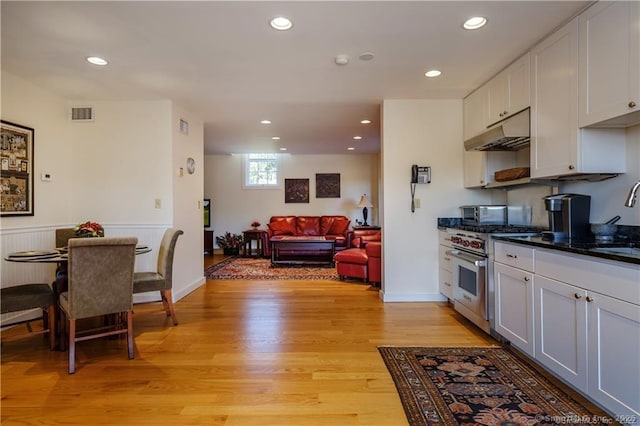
[(445, 273), (514, 306), (613, 351), (561, 330), (560, 317)]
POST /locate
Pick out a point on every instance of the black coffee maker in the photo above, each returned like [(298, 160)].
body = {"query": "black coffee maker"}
[(568, 216)]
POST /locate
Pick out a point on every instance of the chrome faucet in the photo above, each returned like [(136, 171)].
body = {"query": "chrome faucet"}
[(631, 199)]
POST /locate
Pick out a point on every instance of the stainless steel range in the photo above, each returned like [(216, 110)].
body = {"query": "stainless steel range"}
[(472, 263)]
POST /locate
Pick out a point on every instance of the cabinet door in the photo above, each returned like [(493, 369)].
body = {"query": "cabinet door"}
[(609, 52), (509, 90), (445, 283), (475, 107), (514, 306), (475, 169), (561, 330), (554, 118), (614, 351)]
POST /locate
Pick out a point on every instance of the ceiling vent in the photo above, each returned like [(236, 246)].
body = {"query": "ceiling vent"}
[(82, 114)]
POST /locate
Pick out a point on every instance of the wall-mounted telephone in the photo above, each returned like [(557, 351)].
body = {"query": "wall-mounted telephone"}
[(420, 174)]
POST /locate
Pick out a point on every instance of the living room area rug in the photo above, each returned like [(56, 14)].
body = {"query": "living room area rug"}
[(244, 268), (479, 386)]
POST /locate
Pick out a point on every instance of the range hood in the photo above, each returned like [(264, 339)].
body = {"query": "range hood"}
[(510, 134)]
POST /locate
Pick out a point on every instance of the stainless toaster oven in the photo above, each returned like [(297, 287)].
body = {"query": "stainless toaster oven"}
[(484, 215)]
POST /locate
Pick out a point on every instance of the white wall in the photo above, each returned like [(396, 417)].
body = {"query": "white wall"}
[(29, 105), (186, 202), (234, 208), (429, 133)]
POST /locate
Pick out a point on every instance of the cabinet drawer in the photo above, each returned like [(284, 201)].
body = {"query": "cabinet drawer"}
[(445, 259), (514, 255), (444, 238), (445, 279)]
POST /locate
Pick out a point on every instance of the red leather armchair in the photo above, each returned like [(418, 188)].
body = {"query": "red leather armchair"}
[(374, 261), (360, 261)]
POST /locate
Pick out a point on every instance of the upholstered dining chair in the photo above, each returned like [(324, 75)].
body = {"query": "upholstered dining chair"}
[(100, 284), (63, 235), (30, 296), (161, 280)]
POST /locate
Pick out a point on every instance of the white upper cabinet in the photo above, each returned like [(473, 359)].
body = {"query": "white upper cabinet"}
[(508, 92), (475, 108), (609, 63), (558, 147)]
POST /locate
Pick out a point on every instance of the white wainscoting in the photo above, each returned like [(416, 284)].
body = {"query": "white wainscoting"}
[(43, 238)]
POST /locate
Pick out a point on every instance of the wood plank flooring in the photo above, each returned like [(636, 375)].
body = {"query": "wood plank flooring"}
[(244, 353)]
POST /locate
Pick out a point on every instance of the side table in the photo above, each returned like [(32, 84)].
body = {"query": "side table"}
[(249, 236)]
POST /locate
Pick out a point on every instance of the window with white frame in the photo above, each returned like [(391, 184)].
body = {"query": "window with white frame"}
[(261, 171)]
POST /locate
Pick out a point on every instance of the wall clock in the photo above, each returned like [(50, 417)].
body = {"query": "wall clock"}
[(191, 165)]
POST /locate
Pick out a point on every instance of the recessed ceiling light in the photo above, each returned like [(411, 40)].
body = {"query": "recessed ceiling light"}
[(265, 121), (366, 56), (281, 23), (95, 60), (357, 137), (350, 148), (432, 73), (275, 138), (474, 23), (283, 149), (365, 121)]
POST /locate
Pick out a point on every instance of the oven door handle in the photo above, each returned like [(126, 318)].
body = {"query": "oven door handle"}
[(477, 261)]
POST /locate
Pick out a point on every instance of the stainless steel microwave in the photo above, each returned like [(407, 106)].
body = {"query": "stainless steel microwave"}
[(484, 215)]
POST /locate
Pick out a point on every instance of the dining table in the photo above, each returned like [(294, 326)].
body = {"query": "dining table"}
[(59, 256)]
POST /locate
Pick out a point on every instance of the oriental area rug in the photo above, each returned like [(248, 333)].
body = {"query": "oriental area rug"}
[(242, 268), (480, 386)]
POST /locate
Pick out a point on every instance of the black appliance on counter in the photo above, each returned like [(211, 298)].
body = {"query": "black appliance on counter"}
[(568, 216)]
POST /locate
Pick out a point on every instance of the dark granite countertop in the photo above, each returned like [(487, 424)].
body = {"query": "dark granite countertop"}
[(627, 251)]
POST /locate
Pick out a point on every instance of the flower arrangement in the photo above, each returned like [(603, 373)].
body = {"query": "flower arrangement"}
[(229, 240), (89, 229), (255, 224)]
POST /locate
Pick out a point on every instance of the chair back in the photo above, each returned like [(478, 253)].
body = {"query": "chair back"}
[(100, 276), (166, 253), (63, 235)]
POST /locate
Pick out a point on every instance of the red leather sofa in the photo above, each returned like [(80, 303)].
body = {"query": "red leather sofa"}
[(362, 259), (331, 227)]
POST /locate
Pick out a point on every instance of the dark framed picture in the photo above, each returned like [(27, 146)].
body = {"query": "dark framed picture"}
[(16, 171), (327, 185), (296, 190)]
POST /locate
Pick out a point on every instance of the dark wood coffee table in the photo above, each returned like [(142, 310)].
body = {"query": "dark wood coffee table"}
[(302, 250)]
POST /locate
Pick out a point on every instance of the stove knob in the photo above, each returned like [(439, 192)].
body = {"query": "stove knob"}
[(465, 243)]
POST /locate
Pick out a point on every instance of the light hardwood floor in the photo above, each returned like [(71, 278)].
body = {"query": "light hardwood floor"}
[(244, 353)]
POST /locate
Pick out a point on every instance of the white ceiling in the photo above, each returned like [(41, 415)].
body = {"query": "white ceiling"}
[(222, 61)]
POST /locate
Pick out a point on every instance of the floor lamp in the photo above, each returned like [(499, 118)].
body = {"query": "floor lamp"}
[(364, 203)]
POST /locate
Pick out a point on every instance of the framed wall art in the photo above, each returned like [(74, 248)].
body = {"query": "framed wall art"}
[(327, 185), (296, 190), (16, 169)]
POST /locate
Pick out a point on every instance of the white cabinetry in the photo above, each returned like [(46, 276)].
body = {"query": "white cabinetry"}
[(514, 295), (445, 273), (475, 110), (508, 91), (609, 63), (561, 330), (558, 147), (589, 338), (480, 166)]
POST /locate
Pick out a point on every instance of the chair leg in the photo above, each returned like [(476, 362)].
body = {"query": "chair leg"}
[(72, 346), (130, 334), (168, 297), (52, 326)]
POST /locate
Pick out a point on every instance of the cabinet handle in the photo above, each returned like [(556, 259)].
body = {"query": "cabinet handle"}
[(447, 284), (632, 104), (571, 167), (513, 256), (447, 259), (589, 299), (577, 296), (526, 279), (505, 113)]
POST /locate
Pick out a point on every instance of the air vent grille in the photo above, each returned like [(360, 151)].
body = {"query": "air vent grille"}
[(82, 114)]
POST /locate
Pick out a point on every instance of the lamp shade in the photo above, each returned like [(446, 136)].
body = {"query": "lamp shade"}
[(364, 201)]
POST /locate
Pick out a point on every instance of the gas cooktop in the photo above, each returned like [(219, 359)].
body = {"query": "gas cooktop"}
[(501, 229)]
